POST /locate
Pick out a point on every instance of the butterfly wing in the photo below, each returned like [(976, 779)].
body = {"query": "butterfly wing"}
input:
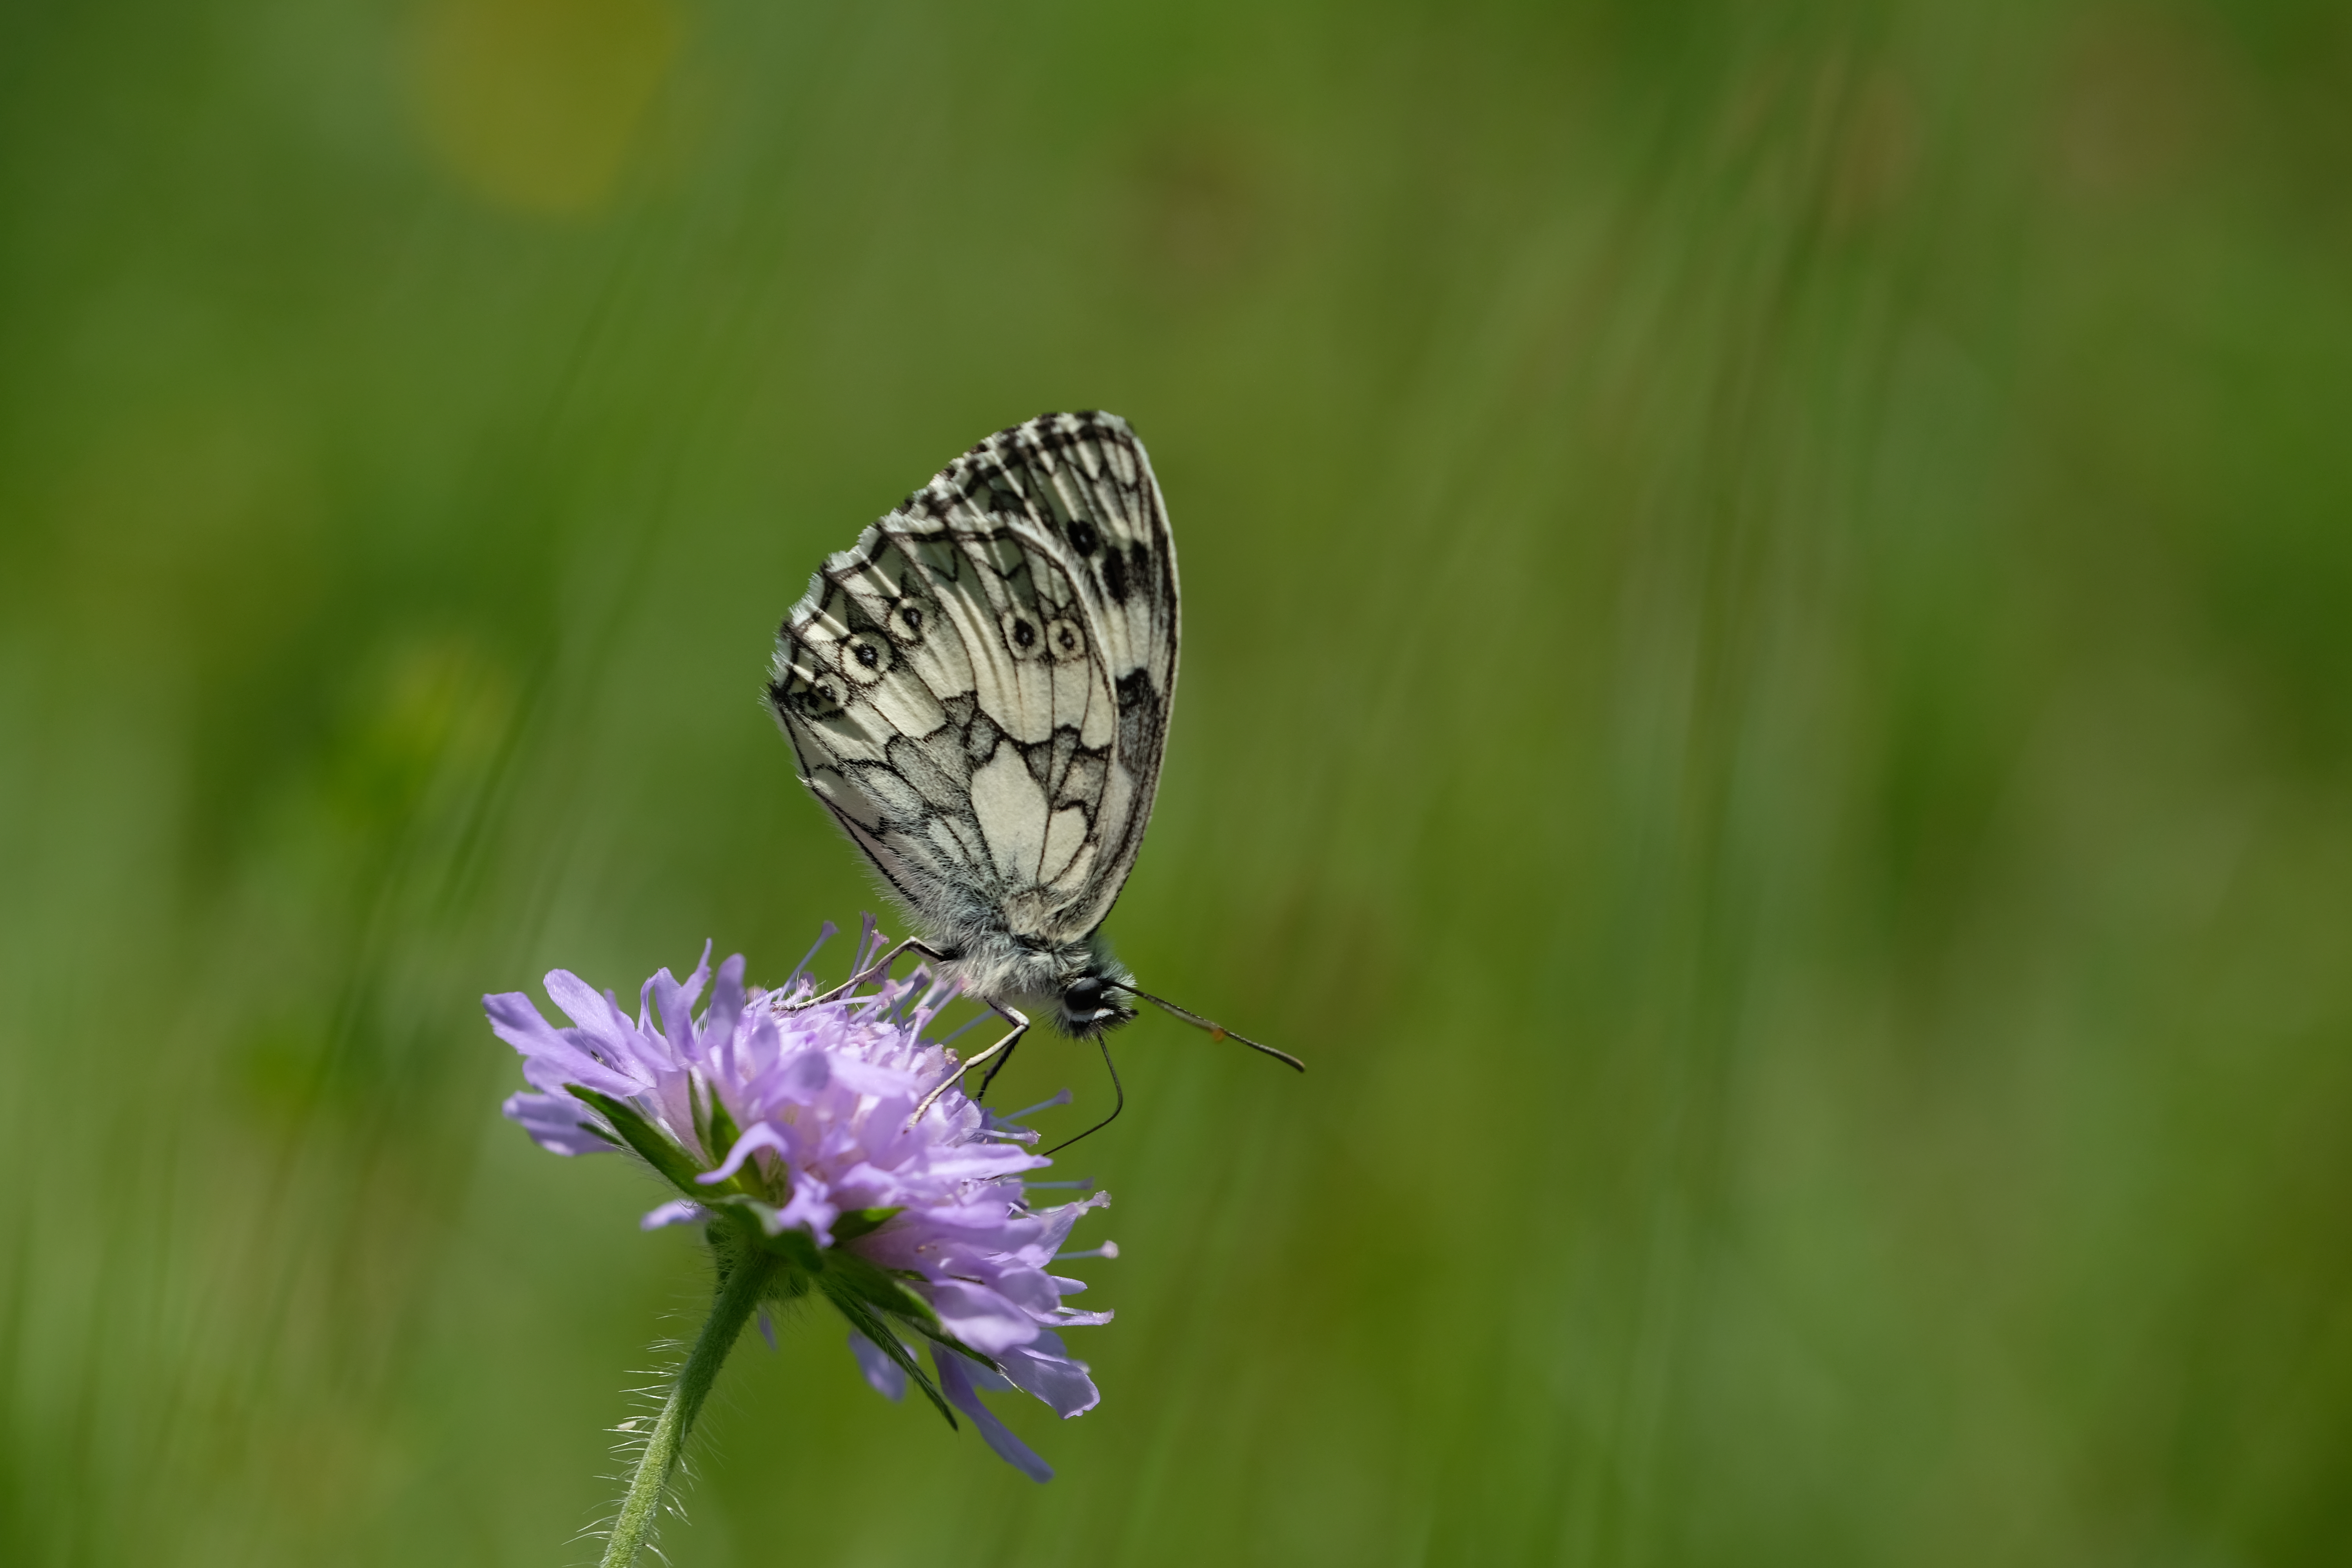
[(979, 689)]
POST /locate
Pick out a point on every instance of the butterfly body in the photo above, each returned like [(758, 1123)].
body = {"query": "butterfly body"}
[(1076, 984), (978, 691)]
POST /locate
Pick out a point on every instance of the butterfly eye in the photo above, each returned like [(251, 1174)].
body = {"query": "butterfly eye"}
[(1020, 633), (865, 658), (1082, 536), (906, 621), (1064, 639)]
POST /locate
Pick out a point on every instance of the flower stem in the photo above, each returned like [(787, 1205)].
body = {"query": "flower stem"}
[(740, 1291)]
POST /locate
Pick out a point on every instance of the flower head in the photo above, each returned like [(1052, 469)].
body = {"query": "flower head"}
[(785, 1122)]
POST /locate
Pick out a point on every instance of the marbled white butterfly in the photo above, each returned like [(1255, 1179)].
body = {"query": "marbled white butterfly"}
[(979, 691)]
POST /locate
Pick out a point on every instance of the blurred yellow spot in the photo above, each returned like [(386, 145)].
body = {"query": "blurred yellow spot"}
[(536, 104)]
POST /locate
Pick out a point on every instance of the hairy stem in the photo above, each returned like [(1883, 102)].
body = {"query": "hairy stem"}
[(740, 1291)]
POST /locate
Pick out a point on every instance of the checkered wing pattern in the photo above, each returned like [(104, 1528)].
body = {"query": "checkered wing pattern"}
[(979, 689)]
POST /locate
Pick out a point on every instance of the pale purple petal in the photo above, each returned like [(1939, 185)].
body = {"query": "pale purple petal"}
[(1069, 1318), (955, 1381), (810, 1209), (676, 1003), (1062, 1216), (758, 1136), (799, 1077), (556, 1122), (700, 977), (590, 1008), (1044, 1368), (722, 1022), (514, 1020), (762, 1046), (678, 1211), (979, 1316), (887, 1377), (984, 1380)]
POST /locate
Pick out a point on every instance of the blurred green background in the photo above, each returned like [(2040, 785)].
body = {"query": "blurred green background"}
[(1768, 698)]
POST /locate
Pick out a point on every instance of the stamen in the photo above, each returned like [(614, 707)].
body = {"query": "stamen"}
[(930, 1010), (1062, 1099), (824, 934), (913, 994), (967, 1029)]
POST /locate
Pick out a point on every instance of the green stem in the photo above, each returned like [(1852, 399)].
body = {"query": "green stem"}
[(739, 1295)]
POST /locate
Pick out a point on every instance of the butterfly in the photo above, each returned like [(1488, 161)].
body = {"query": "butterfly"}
[(978, 691)]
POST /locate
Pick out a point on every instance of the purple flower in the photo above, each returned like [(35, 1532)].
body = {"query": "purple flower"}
[(786, 1123)]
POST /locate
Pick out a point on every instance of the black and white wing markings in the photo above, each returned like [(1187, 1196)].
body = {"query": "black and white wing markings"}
[(1080, 487), (979, 689)]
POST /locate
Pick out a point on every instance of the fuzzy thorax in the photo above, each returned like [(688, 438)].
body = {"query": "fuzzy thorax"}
[(1078, 985)]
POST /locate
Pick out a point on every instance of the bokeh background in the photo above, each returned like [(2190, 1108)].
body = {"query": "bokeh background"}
[(1768, 698)]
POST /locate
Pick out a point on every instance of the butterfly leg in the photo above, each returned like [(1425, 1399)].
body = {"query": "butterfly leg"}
[(879, 966), (990, 1077), (1020, 1027)]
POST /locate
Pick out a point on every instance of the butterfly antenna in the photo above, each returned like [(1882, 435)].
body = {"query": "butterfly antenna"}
[(1216, 1031), (1118, 1103)]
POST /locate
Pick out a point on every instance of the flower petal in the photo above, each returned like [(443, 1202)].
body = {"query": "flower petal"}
[(556, 1122), (979, 1316), (720, 1024), (1044, 1368), (810, 1208), (591, 1009), (759, 1135), (551, 1061), (886, 1377), (955, 1381)]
